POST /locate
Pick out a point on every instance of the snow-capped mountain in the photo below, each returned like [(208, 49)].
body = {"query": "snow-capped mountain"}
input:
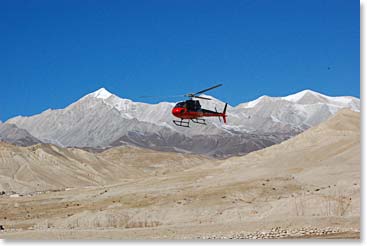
[(102, 119), (299, 111)]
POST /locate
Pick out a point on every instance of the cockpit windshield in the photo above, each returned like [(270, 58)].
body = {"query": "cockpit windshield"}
[(189, 104)]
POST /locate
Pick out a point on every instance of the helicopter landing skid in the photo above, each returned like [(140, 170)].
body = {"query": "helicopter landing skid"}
[(182, 122), (186, 123), (199, 121)]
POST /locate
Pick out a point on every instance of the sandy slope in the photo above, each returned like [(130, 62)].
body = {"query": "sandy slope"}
[(45, 167), (310, 180)]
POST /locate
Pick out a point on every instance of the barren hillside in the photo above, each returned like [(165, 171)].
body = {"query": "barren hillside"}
[(48, 167), (311, 180)]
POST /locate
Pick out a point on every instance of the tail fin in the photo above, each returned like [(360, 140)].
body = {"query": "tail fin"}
[(224, 114)]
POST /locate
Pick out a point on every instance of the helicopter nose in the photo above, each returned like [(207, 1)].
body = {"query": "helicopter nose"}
[(178, 112)]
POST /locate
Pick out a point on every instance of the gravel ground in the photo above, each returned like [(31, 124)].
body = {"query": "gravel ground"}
[(281, 233)]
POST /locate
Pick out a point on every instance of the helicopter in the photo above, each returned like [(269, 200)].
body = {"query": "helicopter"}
[(191, 110)]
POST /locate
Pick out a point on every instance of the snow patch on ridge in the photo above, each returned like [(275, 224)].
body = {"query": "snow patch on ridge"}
[(101, 93), (298, 96)]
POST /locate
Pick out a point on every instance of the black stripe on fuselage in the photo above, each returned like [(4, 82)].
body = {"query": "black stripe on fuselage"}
[(205, 111)]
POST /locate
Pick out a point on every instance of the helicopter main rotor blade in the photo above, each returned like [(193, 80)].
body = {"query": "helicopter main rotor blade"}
[(206, 98), (211, 88), (187, 95), (161, 96)]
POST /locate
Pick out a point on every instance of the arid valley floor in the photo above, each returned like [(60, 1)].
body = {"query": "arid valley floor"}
[(305, 187)]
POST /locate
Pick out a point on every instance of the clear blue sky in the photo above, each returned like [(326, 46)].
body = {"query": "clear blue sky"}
[(54, 52)]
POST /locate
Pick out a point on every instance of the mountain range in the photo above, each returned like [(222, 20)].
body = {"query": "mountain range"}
[(102, 120)]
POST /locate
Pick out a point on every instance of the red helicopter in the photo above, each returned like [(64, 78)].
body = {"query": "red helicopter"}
[(190, 110)]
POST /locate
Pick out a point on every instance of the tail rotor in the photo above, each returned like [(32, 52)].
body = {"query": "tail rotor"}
[(224, 114)]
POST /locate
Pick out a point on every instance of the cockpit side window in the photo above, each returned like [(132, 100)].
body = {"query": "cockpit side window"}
[(180, 105)]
